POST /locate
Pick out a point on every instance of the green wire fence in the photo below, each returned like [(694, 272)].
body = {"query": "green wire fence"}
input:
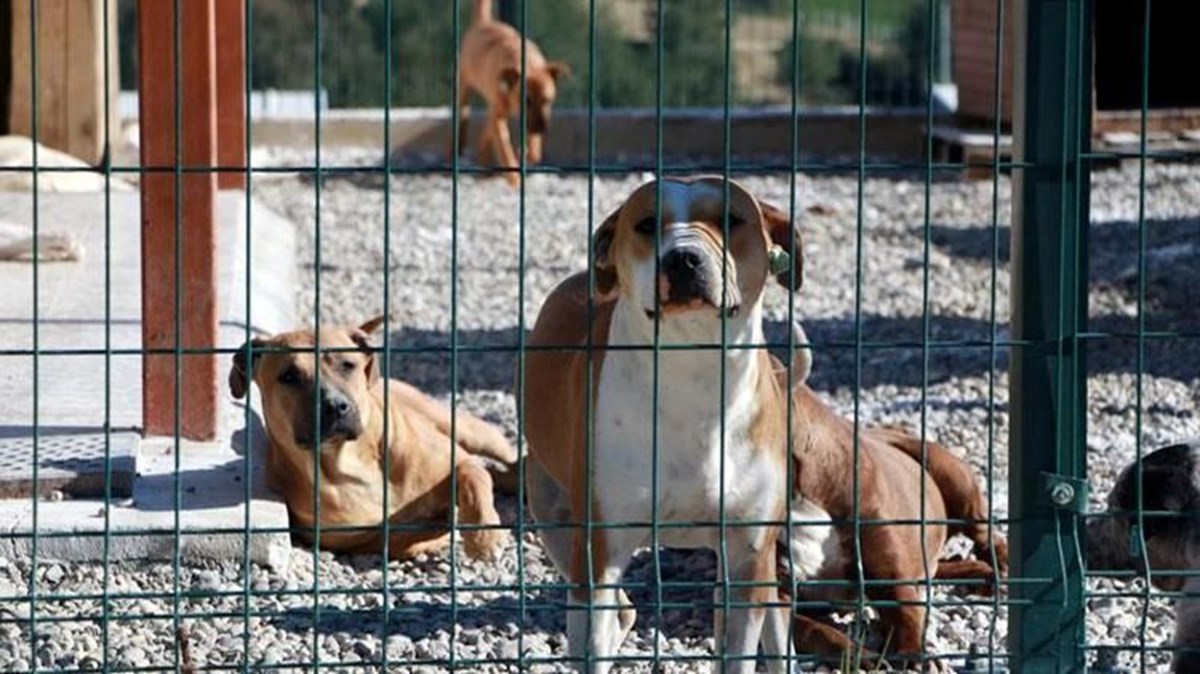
[(1037, 623)]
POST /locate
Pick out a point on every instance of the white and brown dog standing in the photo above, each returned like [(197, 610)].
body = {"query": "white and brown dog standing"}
[(718, 414), (349, 400), (490, 63)]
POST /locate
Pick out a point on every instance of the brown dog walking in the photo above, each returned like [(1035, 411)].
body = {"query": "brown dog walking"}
[(490, 63), (349, 454)]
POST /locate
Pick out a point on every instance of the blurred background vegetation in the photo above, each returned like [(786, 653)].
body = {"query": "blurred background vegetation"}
[(353, 45)]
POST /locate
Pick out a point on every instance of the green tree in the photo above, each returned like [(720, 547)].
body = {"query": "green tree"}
[(283, 44), (830, 68), (421, 49), (694, 55), (354, 45)]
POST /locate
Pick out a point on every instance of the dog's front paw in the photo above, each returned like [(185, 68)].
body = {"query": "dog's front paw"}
[(485, 545)]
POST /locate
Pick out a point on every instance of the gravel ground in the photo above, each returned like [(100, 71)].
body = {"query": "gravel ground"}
[(965, 397)]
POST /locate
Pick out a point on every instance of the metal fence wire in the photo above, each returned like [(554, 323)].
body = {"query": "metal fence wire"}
[(1039, 323)]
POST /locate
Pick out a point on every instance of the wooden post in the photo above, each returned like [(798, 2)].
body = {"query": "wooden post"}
[(231, 92), (975, 29), (196, 296), (70, 77)]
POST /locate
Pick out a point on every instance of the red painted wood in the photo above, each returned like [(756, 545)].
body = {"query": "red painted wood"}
[(231, 91), (197, 191)]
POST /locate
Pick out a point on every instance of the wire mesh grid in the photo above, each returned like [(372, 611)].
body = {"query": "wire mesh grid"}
[(1073, 346)]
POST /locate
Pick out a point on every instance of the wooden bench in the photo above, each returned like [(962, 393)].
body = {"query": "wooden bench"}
[(976, 149)]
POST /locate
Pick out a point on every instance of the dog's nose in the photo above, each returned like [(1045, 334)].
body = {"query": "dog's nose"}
[(339, 416), (681, 267), (334, 407), (681, 260)]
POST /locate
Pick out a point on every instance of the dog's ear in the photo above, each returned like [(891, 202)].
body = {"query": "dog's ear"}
[(361, 336), (372, 325), (239, 377), (603, 264), (509, 78), (558, 70), (784, 233)]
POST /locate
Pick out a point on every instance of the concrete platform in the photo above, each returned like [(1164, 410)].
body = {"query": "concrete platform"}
[(81, 464), (88, 391)]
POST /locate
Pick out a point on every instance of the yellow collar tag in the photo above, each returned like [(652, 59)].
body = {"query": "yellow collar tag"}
[(780, 260)]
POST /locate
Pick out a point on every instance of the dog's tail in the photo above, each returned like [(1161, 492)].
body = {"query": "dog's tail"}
[(960, 490), (482, 11), (802, 357)]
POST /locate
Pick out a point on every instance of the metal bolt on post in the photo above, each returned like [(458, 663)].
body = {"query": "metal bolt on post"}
[(1062, 494)]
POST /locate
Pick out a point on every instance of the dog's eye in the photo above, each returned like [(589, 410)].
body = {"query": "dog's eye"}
[(735, 221), (290, 377), (348, 366), (645, 226)]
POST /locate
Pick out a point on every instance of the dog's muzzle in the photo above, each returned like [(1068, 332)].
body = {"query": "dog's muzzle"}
[(339, 419), (687, 280), (684, 272)]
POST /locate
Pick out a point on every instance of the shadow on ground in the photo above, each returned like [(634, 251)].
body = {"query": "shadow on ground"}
[(892, 352), (1172, 265), (487, 359), (689, 578)]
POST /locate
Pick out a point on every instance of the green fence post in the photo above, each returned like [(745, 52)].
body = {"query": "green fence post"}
[(1052, 126)]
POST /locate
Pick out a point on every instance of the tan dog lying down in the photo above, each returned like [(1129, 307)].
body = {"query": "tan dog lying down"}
[(351, 451)]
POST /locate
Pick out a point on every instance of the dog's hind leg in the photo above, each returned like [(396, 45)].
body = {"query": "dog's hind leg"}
[(904, 615), (485, 154), (472, 434), (969, 569), (814, 637), (1187, 628), (960, 491), (464, 118), (476, 506), (502, 144), (550, 511), (409, 544), (901, 591)]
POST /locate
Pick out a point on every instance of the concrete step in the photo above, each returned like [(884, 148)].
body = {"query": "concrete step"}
[(89, 393)]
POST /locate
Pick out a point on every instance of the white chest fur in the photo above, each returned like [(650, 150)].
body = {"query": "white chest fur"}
[(813, 548), (700, 464)]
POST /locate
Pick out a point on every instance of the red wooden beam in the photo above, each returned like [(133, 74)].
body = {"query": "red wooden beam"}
[(231, 91), (196, 295)]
